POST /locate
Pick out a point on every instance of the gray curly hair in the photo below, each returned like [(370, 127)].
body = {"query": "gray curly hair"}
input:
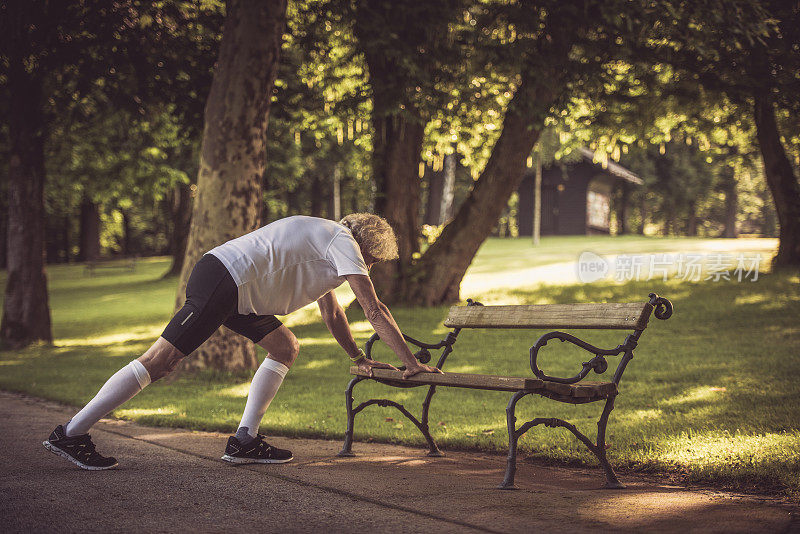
[(373, 234)]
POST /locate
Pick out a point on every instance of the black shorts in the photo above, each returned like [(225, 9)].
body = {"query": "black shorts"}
[(212, 300)]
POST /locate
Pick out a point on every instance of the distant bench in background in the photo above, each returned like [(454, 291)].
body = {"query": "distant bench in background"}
[(128, 264)]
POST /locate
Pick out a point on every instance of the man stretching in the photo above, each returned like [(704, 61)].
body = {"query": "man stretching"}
[(243, 284)]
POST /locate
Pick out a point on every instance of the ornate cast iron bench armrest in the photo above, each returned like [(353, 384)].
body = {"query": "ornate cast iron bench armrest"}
[(663, 311), (423, 355)]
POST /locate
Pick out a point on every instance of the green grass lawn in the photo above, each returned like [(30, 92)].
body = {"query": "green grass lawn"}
[(712, 394)]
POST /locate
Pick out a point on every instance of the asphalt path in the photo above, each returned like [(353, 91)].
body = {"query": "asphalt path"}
[(174, 481)]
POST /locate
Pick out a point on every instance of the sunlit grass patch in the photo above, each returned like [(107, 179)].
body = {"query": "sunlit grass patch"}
[(132, 413), (696, 395), (141, 334), (731, 450), (239, 390), (641, 415), (311, 342), (318, 364)]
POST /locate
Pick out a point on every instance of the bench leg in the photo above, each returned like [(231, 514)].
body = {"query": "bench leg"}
[(598, 448), (433, 449), (513, 438), (612, 482), (347, 447)]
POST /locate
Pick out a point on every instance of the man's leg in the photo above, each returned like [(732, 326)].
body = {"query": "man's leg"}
[(245, 447), (72, 441), (211, 295), (282, 349), (159, 360)]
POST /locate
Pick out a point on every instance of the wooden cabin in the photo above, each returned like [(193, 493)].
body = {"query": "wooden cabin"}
[(576, 196)]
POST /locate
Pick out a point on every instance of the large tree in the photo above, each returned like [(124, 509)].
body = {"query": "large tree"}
[(517, 61), (781, 178), (64, 62), (749, 54), (26, 314), (405, 45), (547, 54), (233, 153)]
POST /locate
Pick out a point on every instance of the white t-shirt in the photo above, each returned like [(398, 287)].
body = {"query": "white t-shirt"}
[(289, 263)]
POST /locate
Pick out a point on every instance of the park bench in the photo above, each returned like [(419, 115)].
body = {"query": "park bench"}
[(128, 264), (573, 390)]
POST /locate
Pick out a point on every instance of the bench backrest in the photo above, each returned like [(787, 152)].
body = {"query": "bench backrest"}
[(627, 316)]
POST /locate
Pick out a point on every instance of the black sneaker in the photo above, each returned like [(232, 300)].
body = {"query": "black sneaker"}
[(257, 451), (78, 450)]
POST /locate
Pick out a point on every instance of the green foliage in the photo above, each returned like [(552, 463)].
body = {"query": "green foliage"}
[(126, 84), (681, 181), (322, 120), (124, 163), (639, 105), (124, 89)]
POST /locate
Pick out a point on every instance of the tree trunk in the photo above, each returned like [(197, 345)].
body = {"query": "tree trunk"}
[(448, 189), (622, 208), (669, 221), (293, 201), (335, 211), (526, 206), (642, 214), (26, 312), (502, 226), (90, 231), (536, 232), (65, 241), (433, 206), (126, 233), (355, 207), (57, 240), (233, 154), (317, 195), (691, 225), (781, 180), (4, 237), (52, 245), (266, 185), (181, 210), (731, 202), (396, 156), (398, 124), (439, 273)]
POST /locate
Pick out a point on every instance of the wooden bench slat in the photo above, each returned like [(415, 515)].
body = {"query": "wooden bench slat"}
[(623, 316), (495, 383), (464, 380)]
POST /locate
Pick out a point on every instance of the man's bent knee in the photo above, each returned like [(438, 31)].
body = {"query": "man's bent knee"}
[(287, 354), (281, 346), (161, 359), (294, 350)]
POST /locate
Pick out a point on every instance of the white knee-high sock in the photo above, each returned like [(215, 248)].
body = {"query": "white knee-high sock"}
[(120, 388), (267, 380)]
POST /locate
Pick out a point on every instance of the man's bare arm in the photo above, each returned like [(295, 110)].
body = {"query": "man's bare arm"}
[(384, 324), (336, 321)]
